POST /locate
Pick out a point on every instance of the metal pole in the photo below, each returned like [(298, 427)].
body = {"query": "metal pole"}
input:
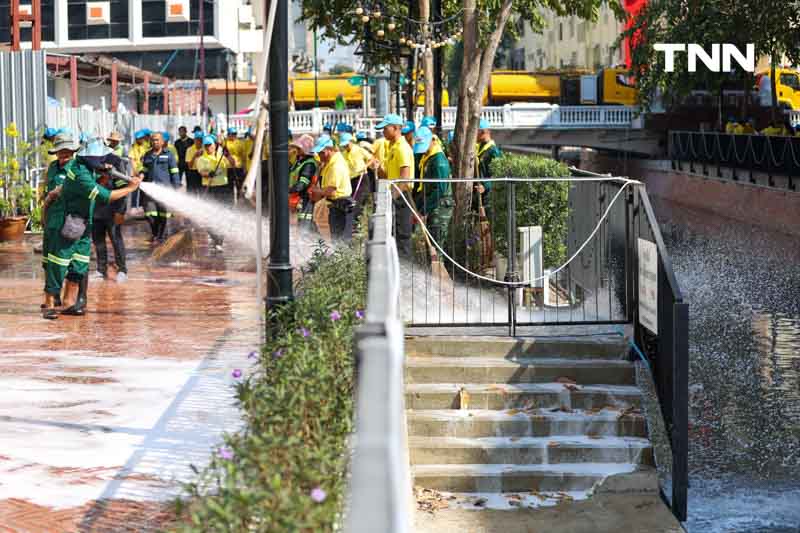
[(114, 88), (279, 270), (436, 15), (511, 274), (227, 93), (73, 78), (316, 71), (202, 63)]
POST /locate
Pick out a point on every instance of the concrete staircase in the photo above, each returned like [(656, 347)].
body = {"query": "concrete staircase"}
[(509, 423)]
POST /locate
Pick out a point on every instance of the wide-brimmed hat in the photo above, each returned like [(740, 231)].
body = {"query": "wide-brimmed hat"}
[(305, 143), (64, 142), (114, 136)]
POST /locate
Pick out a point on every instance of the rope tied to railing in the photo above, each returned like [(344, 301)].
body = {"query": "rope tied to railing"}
[(625, 183)]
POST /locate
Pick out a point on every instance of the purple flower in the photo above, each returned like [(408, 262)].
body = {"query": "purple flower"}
[(318, 495), (277, 354), (335, 316), (304, 332), (225, 453), (236, 373), (253, 355), (359, 314)]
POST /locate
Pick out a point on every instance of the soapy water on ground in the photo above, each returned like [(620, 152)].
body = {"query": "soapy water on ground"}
[(743, 288)]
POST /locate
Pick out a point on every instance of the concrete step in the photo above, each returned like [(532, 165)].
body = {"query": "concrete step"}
[(614, 347), (521, 395), (513, 477), (529, 450), (517, 370), (516, 423)]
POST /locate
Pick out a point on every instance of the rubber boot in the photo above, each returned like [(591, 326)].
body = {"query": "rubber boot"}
[(49, 308), (83, 292)]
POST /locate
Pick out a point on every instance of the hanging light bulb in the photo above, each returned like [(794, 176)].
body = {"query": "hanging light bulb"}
[(377, 14), (402, 40), (381, 33), (365, 19), (359, 11), (391, 26)]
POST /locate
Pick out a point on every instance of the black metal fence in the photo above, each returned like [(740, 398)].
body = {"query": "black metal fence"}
[(773, 155), (585, 270)]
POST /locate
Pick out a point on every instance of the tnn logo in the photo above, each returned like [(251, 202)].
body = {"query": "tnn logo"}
[(712, 62)]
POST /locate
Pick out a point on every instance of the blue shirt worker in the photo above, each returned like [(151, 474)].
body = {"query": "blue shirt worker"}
[(159, 166), (69, 250)]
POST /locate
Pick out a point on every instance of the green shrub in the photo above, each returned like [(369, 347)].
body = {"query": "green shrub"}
[(537, 204), (298, 410)]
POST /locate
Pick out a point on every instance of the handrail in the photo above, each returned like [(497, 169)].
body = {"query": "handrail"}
[(663, 255), (380, 481)]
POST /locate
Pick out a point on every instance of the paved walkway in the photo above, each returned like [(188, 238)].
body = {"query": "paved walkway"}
[(101, 416)]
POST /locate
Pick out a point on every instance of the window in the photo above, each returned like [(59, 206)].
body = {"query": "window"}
[(77, 29), (790, 80), (154, 19), (48, 22)]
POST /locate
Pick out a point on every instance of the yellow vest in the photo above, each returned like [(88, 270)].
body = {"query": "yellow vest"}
[(214, 169), (235, 148)]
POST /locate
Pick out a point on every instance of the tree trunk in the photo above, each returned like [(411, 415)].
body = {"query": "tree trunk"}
[(475, 72), (427, 56), (772, 89)]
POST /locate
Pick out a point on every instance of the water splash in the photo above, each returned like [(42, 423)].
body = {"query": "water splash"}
[(236, 225)]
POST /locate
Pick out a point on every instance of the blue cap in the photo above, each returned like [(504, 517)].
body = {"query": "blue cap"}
[(390, 120), (327, 127), (94, 148), (199, 134), (345, 139), (50, 132), (209, 139), (422, 140), (483, 124), (139, 134), (147, 131), (409, 127), (428, 120), (323, 142), (232, 131), (361, 135), (344, 127), (165, 134)]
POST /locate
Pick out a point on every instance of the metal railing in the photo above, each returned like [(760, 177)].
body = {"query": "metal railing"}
[(380, 481), (597, 275), (774, 155)]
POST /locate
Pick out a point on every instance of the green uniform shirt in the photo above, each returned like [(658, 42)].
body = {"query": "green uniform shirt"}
[(485, 154), (435, 167), (80, 193), (55, 211)]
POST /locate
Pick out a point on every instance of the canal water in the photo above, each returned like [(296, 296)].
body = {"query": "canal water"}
[(742, 284)]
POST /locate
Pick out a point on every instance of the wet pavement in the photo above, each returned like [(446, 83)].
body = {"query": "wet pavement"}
[(101, 416)]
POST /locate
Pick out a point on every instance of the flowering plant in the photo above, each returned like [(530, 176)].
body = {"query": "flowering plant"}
[(16, 194)]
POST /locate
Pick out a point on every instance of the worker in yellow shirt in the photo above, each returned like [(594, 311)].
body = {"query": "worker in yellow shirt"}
[(213, 168), (193, 153), (139, 148), (731, 125), (397, 164), (774, 129), (335, 188), (357, 159), (235, 148)]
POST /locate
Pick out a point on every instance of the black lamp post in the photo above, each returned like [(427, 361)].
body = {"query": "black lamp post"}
[(279, 270)]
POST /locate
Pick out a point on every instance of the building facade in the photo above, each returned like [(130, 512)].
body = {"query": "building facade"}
[(154, 35), (570, 42)]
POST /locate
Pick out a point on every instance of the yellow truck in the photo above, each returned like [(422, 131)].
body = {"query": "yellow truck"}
[(787, 85)]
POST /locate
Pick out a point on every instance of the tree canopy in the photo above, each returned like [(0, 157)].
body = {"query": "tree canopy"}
[(773, 28)]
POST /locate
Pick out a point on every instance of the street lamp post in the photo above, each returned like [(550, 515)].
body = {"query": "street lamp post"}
[(316, 71), (279, 270)]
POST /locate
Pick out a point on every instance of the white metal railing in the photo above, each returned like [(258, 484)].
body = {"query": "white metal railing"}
[(511, 116), (380, 480)]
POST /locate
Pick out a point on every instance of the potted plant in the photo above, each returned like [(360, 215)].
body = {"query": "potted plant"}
[(16, 194)]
